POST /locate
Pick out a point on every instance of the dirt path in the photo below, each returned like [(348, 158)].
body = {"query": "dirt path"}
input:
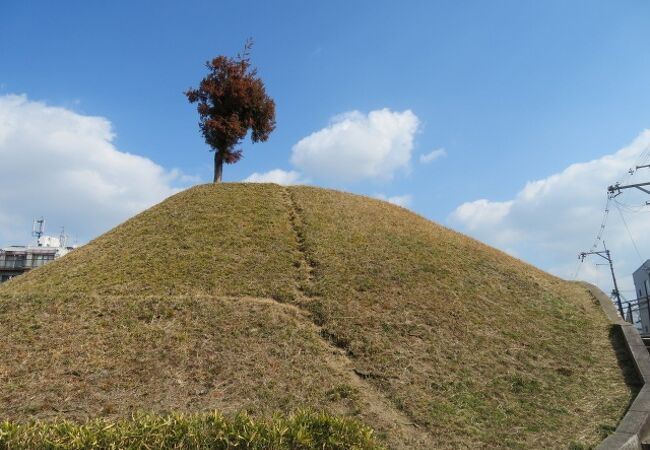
[(380, 412)]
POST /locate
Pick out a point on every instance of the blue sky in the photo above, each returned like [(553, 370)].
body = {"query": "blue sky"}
[(514, 91)]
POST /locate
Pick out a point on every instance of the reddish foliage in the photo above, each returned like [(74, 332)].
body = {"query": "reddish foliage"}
[(231, 101)]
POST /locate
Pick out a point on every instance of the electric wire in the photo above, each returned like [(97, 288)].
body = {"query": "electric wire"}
[(603, 224), (599, 236), (641, 160), (639, 208), (629, 234)]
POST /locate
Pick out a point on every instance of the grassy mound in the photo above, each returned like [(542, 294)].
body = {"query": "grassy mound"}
[(261, 298)]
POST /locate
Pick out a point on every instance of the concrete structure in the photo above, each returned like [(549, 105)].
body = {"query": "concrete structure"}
[(633, 430)]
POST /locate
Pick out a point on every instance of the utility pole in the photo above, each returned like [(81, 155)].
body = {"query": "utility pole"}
[(647, 303), (615, 189), (608, 257)]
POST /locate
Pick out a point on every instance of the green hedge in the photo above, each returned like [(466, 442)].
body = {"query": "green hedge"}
[(303, 430)]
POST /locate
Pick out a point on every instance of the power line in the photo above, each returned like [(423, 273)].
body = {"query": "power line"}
[(612, 192), (603, 224), (599, 236), (577, 269), (638, 208), (629, 234)]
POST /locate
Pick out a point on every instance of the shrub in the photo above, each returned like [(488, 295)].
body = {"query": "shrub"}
[(303, 430)]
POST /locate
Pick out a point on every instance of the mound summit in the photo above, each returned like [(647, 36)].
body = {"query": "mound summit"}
[(261, 298)]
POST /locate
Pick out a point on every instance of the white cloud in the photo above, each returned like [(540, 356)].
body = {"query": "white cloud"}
[(400, 200), (551, 220), (64, 166), (278, 176), (432, 156), (355, 146)]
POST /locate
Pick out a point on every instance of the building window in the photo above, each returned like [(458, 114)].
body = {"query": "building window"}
[(14, 261), (38, 259)]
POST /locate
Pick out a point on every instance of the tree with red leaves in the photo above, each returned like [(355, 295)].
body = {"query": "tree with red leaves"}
[(231, 101)]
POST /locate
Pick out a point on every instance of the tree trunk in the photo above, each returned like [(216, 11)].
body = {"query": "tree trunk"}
[(218, 166)]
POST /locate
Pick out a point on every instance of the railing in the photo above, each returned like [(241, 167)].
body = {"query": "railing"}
[(633, 309)]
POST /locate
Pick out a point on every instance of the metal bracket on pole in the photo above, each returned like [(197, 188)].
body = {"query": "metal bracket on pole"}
[(616, 189), (607, 256)]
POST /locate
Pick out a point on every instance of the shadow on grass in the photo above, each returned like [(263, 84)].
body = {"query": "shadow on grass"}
[(630, 375), (625, 361)]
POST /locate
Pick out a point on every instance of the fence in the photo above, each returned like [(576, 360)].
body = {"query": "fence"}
[(636, 312)]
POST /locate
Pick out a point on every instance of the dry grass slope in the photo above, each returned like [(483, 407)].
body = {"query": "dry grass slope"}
[(261, 298)]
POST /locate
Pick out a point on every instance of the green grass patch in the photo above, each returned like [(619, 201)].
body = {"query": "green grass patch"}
[(303, 430)]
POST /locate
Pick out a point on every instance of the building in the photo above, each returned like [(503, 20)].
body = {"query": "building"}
[(18, 259), (641, 277)]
